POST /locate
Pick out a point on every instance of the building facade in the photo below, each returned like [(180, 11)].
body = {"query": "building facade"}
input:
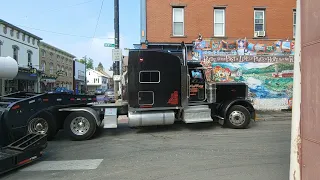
[(24, 48), (79, 77), (251, 42), (57, 67), (96, 81)]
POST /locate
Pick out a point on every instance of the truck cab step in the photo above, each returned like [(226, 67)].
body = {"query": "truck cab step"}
[(196, 114)]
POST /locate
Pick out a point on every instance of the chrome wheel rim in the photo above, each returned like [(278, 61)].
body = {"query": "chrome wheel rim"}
[(38, 125), (237, 118), (79, 126)]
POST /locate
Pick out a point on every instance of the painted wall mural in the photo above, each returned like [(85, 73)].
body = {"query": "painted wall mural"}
[(267, 68)]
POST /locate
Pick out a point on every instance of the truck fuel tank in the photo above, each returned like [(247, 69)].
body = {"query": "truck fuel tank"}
[(151, 118)]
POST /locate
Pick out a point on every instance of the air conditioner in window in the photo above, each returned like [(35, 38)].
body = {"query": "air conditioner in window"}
[(259, 34)]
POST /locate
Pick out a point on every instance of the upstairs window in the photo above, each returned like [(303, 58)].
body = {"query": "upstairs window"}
[(0, 46), (259, 20), (29, 57), (15, 52), (178, 22), (219, 22)]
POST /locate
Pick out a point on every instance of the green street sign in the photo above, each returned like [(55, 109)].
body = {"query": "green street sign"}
[(109, 45)]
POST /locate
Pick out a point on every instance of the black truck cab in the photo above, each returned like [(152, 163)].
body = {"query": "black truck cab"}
[(165, 87)]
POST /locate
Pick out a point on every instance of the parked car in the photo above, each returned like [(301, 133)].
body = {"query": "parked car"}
[(109, 96), (62, 90), (99, 92)]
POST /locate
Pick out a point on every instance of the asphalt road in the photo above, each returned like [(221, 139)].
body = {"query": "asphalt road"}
[(178, 152)]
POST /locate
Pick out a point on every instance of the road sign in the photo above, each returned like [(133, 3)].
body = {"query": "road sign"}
[(116, 77), (109, 45), (116, 54)]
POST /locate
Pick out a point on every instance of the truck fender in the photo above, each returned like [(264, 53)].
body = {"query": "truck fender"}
[(89, 110), (224, 107)]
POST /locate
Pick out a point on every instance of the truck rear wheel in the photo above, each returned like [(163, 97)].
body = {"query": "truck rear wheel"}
[(80, 125), (238, 117), (44, 123)]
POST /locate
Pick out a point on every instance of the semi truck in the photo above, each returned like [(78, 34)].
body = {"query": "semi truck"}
[(163, 87)]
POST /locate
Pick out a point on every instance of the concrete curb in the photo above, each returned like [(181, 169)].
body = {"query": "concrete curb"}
[(273, 115)]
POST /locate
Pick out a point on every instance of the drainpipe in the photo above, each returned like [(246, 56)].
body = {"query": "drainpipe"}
[(295, 155)]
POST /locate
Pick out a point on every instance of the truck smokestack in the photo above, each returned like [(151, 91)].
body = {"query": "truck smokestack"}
[(184, 53)]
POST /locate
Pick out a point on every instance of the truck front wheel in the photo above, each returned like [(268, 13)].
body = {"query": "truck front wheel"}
[(80, 125), (238, 117)]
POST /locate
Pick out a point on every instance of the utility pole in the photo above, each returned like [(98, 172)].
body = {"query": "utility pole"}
[(116, 69)]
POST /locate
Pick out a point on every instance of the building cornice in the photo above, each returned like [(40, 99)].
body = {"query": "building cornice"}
[(19, 29)]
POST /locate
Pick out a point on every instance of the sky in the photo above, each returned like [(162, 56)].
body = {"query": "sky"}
[(71, 25)]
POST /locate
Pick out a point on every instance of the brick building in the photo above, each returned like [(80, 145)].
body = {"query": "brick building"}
[(251, 41), (164, 24)]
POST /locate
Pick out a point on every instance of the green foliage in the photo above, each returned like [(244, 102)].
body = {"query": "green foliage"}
[(87, 61), (270, 69), (100, 67)]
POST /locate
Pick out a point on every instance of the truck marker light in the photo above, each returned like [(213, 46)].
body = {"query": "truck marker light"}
[(141, 60), (72, 99), (45, 100), (83, 99), (78, 99), (16, 107), (59, 99), (94, 99)]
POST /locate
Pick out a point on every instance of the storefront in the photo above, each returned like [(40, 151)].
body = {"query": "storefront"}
[(24, 81)]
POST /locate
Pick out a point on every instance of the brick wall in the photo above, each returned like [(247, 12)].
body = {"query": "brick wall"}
[(239, 18)]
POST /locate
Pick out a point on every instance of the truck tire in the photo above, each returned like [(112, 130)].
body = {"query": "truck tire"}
[(80, 126), (43, 123), (238, 117)]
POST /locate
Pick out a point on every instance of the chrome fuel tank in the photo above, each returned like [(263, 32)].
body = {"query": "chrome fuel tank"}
[(148, 118)]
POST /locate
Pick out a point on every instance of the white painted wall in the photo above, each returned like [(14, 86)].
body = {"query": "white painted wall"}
[(101, 80), (7, 50)]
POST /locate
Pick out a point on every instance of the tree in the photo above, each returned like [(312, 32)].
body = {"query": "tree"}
[(87, 61), (100, 67)]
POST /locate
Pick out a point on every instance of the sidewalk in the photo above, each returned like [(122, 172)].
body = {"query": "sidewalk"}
[(273, 115)]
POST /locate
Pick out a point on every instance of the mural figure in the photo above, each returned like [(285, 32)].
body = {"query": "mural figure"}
[(266, 67)]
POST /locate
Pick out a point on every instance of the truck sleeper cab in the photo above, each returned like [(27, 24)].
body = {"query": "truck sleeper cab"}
[(164, 88)]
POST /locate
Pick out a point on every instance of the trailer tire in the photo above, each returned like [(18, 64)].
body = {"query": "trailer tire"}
[(83, 119), (45, 118), (238, 113)]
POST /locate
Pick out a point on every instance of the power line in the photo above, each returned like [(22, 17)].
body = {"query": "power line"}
[(60, 33), (95, 29)]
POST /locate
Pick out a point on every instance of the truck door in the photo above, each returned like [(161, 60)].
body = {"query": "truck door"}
[(196, 85)]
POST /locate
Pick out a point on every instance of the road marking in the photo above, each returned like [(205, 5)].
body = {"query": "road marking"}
[(87, 164)]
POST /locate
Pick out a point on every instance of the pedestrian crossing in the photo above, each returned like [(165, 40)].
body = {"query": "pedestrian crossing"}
[(87, 164)]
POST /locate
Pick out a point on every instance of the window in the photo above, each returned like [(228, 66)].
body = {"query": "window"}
[(11, 32), (5, 30), (58, 67), (51, 55), (33, 41), (23, 37), (43, 53), (43, 65), (219, 22), (149, 76), (28, 39), (178, 21), (18, 35), (29, 57), (15, 52), (1, 43), (294, 24), (259, 20), (51, 68)]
